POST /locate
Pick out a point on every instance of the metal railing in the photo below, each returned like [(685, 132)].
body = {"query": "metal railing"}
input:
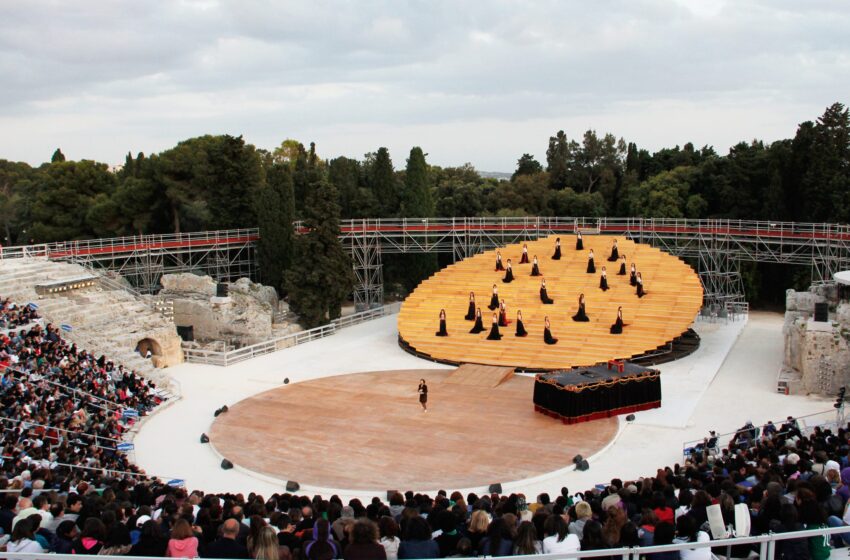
[(226, 358)]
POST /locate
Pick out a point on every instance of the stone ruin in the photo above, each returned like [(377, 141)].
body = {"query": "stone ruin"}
[(817, 354), (250, 313)]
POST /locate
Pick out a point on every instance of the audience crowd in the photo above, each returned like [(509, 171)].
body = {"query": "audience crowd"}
[(66, 489)]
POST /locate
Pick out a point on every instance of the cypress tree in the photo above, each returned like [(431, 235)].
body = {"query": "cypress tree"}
[(57, 157), (384, 184), (274, 207), (416, 197)]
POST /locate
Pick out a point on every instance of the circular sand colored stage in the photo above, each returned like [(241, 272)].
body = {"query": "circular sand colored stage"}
[(366, 431)]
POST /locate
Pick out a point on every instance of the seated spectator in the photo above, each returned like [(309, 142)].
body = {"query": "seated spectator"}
[(23, 539), (152, 543), (688, 532), (183, 542), (558, 538), (664, 534), (92, 537), (389, 536), (364, 542), (226, 546), (526, 542), (583, 513), (417, 541), (322, 546)]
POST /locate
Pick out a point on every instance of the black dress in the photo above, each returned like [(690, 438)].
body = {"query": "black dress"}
[(477, 327), (423, 394), (503, 319), (442, 331), (579, 244), (494, 333), (470, 313), (520, 328), (622, 269), (640, 292), (591, 266), (557, 255), (544, 297), (603, 283), (524, 259), (494, 302), (615, 255), (499, 265), (617, 327), (633, 279), (548, 338), (509, 276), (581, 316), (535, 270)]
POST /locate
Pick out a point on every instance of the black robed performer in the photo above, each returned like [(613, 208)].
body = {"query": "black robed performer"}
[(639, 280), (494, 330), (633, 275), (622, 266), (423, 395), (520, 328), (615, 253), (535, 267), (503, 315), (579, 243), (442, 331), (544, 296), (581, 316), (557, 255), (499, 261), (479, 324), (509, 273), (494, 299), (524, 259), (470, 313), (591, 266), (603, 280), (617, 327), (547, 333)]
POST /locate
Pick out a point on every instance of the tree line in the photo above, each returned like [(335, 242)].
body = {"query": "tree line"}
[(220, 182)]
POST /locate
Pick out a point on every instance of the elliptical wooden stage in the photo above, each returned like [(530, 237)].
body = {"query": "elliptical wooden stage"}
[(672, 301)]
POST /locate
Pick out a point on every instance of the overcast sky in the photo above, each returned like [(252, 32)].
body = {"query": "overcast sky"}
[(469, 81)]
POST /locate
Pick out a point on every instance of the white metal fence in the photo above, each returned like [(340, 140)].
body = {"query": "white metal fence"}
[(226, 358)]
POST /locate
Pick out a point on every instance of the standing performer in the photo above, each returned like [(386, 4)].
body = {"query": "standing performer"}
[(442, 331), (535, 267), (479, 324), (503, 315), (615, 253), (581, 316), (544, 296), (579, 244), (622, 266), (547, 333), (494, 330), (470, 313), (591, 266), (557, 255), (603, 280), (494, 299), (509, 273), (423, 395), (524, 259), (633, 275), (639, 280), (499, 261), (520, 328), (617, 327)]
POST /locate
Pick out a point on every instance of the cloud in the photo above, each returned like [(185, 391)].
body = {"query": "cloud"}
[(478, 82)]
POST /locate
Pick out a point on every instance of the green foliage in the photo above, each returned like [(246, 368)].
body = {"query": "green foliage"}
[(416, 200), (526, 165), (666, 195), (558, 158), (57, 157), (321, 276), (275, 206), (344, 174), (381, 179)]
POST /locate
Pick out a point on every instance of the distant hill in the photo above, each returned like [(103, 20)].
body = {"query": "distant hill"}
[(495, 175)]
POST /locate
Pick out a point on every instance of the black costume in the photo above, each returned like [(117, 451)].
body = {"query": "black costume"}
[(470, 313), (633, 278), (423, 393), (579, 244), (603, 283), (548, 338), (478, 326), (640, 292), (617, 327), (535, 270), (509, 276), (442, 331), (494, 302), (520, 328), (544, 297), (494, 332), (499, 263), (622, 269), (581, 316), (557, 255), (524, 259), (615, 254), (591, 266), (503, 319)]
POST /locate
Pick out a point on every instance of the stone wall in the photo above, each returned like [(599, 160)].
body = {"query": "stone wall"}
[(242, 318), (819, 353)]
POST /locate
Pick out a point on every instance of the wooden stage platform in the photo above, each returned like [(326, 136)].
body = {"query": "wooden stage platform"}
[(672, 301), (367, 431)]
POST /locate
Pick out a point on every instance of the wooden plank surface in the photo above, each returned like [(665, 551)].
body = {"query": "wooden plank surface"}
[(478, 375), (367, 431)]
